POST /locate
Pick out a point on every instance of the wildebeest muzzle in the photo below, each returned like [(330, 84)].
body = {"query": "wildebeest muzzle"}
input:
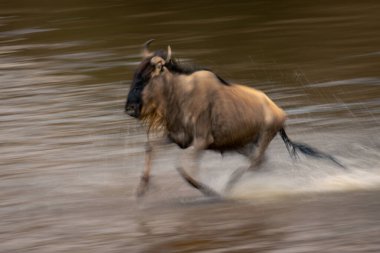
[(133, 105), (132, 110)]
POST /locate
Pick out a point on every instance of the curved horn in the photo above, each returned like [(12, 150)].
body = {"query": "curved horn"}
[(169, 54), (145, 50)]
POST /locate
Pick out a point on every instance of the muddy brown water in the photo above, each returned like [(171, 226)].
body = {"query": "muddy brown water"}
[(70, 159)]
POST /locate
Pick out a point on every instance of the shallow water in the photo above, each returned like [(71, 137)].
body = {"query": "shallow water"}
[(71, 159)]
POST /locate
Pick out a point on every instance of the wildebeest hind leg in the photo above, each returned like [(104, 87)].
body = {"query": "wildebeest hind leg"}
[(257, 155)]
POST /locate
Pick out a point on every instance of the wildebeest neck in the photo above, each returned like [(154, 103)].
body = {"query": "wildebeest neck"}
[(175, 66)]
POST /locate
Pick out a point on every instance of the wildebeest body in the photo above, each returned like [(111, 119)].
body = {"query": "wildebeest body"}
[(198, 108)]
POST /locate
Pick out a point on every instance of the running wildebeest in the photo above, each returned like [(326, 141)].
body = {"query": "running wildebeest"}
[(196, 107)]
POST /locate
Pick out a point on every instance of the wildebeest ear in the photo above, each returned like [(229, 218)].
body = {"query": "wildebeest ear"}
[(145, 50), (158, 63)]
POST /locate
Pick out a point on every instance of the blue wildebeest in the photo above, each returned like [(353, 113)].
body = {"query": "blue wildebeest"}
[(196, 107)]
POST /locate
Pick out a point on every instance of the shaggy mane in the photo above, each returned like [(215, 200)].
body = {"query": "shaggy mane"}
[(153, 117)]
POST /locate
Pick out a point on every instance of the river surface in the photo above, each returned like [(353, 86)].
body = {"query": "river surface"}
[(70, 159)]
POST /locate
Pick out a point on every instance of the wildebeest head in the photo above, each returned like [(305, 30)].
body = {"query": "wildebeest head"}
[(151, 66)]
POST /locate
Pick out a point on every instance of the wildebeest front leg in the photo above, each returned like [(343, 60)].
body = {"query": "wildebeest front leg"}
[(150, 150), (235, 176), (143, 185), (194, 158)]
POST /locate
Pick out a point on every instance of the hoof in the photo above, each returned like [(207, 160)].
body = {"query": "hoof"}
[(143, 186)]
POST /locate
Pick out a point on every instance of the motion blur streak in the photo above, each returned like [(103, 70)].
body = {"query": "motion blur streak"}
[(70, 158)]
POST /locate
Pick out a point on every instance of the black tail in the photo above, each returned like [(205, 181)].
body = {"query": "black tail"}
[(306, 149)]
